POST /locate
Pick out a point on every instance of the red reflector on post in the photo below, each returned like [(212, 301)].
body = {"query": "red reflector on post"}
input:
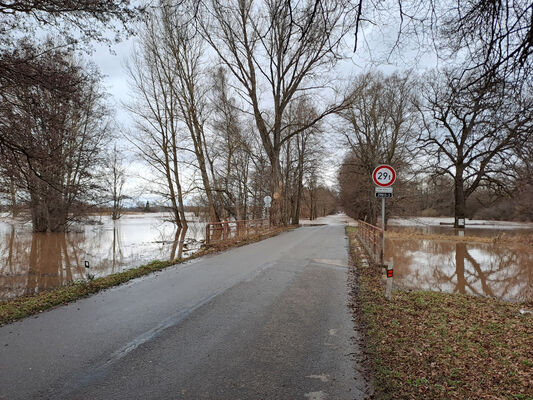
[(389, 273)]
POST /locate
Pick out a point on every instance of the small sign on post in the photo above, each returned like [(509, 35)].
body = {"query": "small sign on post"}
[(383, 192)]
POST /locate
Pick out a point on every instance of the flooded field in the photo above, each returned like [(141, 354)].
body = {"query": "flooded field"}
[(30, 262), (503, 269)]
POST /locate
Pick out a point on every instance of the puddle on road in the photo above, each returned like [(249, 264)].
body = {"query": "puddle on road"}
[(492, 270), (31, 262)]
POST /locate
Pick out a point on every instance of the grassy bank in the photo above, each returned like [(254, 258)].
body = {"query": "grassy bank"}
[(515, 239), (24, 306), (426, 345)]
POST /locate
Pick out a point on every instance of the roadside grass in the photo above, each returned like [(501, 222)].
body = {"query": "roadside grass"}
[(514, 240), (428, 345), (24, 306)]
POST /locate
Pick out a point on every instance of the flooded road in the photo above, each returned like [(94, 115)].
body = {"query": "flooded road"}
[(498, 270), (31, 262)]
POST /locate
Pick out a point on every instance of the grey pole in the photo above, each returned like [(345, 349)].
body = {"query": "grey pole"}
[(383, 231)]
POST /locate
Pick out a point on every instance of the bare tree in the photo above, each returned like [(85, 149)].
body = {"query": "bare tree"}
[(379, 127), (158, 135), (280, 48), (232, 147), (74, 20), (472, 125), (497, 36), (187, 51), (493, 37), (114, 179), (59, 123), (301, 154)]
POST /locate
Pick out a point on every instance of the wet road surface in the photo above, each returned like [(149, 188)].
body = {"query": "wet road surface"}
[(263, 321)]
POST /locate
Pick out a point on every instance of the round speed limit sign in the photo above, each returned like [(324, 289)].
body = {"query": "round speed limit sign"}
[(384, 175)]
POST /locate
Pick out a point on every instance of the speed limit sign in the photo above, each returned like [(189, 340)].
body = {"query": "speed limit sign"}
[(384, 175)]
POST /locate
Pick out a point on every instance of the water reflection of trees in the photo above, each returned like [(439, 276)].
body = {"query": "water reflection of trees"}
[(30, 262), (33, 261), (487, 270)]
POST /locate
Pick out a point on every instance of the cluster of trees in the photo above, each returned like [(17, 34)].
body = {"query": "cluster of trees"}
[(227, 135), (230, 98), (464, 130), (247, 127), (54, 120), (461, 147)]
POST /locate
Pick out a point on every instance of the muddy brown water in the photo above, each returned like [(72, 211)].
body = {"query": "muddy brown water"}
[(502, 271), (31, 262)]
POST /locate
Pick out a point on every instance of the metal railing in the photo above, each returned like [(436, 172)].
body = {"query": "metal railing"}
[(220, 231), (371, 236)]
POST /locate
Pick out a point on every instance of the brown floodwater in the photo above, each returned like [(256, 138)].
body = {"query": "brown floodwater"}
[(494, 270), (31, 262)]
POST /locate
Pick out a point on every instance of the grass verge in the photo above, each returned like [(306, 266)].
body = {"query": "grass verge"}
[(427, 345), (514, 240), (25, 306)]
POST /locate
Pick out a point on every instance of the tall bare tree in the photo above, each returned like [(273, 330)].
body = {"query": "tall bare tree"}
[(187, 51), (114, 179), (158, 134), (472, 124), (276, 50), (379, 127), (232, 147), (59, 123)]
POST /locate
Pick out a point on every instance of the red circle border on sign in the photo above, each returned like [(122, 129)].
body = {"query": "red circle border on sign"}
[(393, 172)]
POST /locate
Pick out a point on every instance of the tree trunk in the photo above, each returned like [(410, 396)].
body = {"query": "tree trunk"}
[(460, 251), (460, 199), (276, 188), (13, 193)]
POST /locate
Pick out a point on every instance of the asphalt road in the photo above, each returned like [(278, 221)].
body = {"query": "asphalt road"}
[(263, 321)]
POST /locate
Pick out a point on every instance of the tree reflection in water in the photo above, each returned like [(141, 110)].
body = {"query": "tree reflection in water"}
[(30, 262), (457, 267)]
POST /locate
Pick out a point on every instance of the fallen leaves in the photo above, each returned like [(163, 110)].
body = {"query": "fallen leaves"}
[(426, 345)]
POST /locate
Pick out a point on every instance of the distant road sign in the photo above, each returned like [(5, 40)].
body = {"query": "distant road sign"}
[(267, 201), (384, 176)]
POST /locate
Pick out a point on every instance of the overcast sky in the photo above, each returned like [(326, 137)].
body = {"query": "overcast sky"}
[(373, 52)]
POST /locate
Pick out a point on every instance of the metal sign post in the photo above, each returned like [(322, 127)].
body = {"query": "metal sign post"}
[(383, 177), (383, 231)]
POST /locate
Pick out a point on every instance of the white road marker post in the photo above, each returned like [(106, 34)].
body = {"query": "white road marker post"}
[(390, 277)]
